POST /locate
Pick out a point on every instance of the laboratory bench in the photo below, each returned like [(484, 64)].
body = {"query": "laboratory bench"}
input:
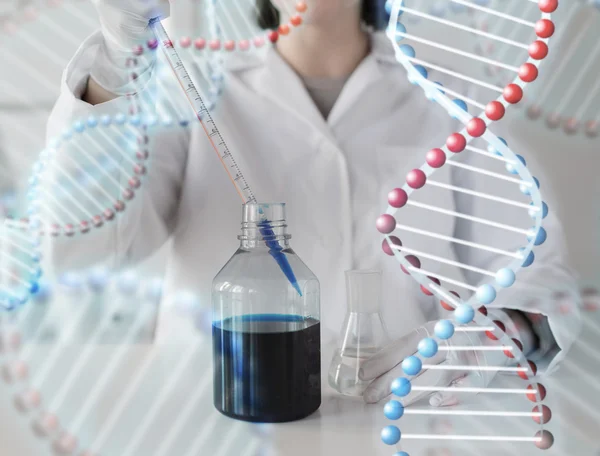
[(157, 401)]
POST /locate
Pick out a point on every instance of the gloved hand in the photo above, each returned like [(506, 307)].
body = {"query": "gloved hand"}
[(124, 26), (386, 365)]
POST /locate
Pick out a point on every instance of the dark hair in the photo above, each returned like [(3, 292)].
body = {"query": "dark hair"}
[(268, 16)]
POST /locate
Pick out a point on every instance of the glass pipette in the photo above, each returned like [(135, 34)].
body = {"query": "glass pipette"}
[(218, 143)]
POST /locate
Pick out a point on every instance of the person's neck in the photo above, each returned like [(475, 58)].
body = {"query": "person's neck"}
[(331, 52)]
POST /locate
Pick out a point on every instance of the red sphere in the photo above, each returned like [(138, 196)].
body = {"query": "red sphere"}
[(416, 179), (425, 290), (591, 128), (413, 260), (456, 143), (476, 127), (284, 29), (513, 93), (544, 28), (386, 224), (531, 372), (491, 334), (214, 45), (494, 110), (546, 414), (397, 198), (296, 20), (538, 50), (229, 45), (436, 158), (385, 245), (273, 36), (553, 120), (548, 6), (447, 306), (483, 310), (546, 440), (519, 345), (541, 392), (528, 72)]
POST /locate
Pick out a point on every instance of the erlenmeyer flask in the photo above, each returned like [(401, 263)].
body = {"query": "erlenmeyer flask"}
[(363, 331)]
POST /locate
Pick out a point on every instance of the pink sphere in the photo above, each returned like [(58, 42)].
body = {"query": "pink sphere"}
[(185, 42), (571, 125), (416, 179), (591, 128), (546, 440), (65, 444), (385, 245), (397, 198), (385, 224), (46, 424), (534, 112), (541, 392), (553, 120), (244, 45), (456, 143), (413, 260), (436, 158), (546, 414), (476, 127), (28, 400), (425, 290)]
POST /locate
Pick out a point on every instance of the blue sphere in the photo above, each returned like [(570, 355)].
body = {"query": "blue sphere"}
[(98, 279), (510, 167), (92, 122), (393, 410), (105, 120), (533, 212), (461, 104), (540, 238), (408, 50), (526, 189), (67, 134), (486, 294), (34, 287), (444, 329), (401, 453), (135, 120), (401, 387), (529, 260), (428, 347), (422, 70), (464, 314), (390, 435), (412, 365), (493, 150), (400, 31), (120, 119), (79, 126), (388, 6), (505, 277)]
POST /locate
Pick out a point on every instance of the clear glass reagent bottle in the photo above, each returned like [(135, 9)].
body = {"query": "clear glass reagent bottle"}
[(266, 335)]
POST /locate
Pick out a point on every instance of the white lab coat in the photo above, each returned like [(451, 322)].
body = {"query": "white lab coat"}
[(334, 176)]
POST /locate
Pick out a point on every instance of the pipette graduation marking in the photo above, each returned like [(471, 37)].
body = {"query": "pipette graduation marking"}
[(218, 143)]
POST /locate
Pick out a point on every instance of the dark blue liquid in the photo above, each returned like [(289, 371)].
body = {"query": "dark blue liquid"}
[(267, 367)]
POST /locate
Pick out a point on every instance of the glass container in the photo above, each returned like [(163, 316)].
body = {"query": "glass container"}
[(266, 325), (363, 331)]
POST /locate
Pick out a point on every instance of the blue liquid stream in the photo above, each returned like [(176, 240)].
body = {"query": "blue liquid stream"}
[(276, 251)]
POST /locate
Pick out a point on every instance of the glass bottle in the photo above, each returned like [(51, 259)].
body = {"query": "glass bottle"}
[(266, 330), (363, 331)]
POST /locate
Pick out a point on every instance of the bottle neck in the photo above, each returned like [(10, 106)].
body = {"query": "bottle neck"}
[(264, 226)]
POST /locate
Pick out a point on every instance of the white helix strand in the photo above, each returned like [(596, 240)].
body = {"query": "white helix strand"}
[(476, 141)]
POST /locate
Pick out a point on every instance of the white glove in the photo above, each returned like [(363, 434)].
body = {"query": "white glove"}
[(386, 365), (124, 26)]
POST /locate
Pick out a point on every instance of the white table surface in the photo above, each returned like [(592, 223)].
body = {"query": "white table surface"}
[(185, 422)]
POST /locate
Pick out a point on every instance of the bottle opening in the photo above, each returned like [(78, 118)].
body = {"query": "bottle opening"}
[(264, 222)]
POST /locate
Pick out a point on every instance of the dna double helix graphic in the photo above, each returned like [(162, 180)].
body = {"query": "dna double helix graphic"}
[(561, 99), (50, 404), (473, 151)]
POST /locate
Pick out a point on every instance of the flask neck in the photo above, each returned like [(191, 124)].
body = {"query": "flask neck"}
[(264, 226), (363, 290)]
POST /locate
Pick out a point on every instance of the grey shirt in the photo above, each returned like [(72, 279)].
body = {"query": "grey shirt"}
[(325, 92)]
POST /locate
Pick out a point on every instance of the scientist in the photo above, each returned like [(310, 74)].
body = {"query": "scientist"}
[(326, 122)]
